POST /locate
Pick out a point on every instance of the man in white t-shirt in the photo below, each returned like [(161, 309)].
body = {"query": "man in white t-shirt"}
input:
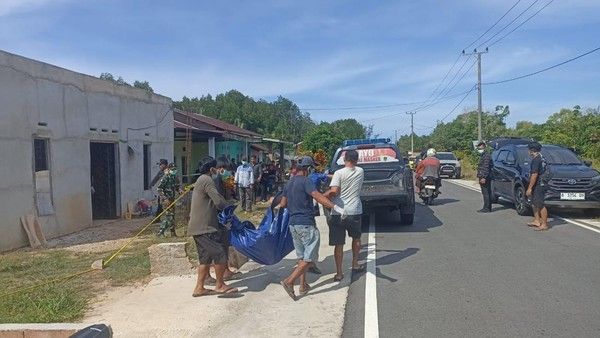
[(344, 190)]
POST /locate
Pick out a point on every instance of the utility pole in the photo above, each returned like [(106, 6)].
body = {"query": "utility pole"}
[(412, 131), (479, 105)]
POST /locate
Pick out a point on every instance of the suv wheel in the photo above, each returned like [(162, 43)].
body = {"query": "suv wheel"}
[(407, 219), (520, 202)]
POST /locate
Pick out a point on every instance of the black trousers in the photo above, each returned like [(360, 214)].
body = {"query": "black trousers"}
[(486, 191)]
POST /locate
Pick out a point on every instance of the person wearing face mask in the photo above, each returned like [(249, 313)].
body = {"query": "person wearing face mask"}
[(484, 173), (209, 236)]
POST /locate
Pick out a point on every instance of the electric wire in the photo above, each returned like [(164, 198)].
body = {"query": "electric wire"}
[(542, 70), (522, 23), (508, 24), (494, 25)]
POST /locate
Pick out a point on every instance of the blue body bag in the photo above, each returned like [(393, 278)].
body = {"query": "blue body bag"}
[(268, 244)]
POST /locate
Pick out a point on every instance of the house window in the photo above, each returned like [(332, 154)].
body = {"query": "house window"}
[(40, 151), (42, 177), (147, 166)]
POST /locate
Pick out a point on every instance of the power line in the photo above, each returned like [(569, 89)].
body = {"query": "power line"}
[(522, 23), (462, 76), (494, 25), (368, 107), (458, 104), (508, 24), (543, 70), (444, 99)]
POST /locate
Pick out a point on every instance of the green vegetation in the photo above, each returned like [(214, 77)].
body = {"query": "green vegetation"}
[(68, 300), (280, 119), (329, 136), (573, 128), (121, 82)]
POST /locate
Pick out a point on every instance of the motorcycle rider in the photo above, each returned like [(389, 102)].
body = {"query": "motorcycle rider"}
[(428, 167)]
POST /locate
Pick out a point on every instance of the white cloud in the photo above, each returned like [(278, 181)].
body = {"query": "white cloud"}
[(8, 7)]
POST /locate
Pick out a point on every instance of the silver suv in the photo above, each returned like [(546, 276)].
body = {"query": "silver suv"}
[(449, 164)]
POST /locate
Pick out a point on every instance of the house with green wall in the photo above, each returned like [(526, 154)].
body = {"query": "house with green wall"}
[(197, 136)]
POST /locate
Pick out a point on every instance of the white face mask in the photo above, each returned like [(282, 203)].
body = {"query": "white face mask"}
[(481, 151)]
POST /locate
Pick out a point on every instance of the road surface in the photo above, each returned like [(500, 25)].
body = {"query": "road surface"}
[(457, 273)]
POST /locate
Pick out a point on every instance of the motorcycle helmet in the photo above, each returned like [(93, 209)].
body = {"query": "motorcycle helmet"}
[(431, 152)]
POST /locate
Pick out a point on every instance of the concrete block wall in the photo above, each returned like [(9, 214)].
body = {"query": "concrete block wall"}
[(71, 103)]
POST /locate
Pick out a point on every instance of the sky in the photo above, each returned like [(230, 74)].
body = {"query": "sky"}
[(371, 56)]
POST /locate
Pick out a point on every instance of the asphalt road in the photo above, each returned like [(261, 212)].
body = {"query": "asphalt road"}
[(457, 273)]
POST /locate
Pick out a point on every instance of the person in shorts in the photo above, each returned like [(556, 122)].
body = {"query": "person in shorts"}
[(298, 195), (537, 190), (344, 190), (210, 237)]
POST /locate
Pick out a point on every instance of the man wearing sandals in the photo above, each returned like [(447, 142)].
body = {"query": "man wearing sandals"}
[(208, 234), (536, 189), (345, 188), (298, 195)]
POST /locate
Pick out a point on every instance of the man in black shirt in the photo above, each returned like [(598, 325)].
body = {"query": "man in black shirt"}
[(536, 190), (484, 174)]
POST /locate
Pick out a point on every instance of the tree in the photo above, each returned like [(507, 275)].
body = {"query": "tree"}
[(143, 85), (281, 119), (323, 137)]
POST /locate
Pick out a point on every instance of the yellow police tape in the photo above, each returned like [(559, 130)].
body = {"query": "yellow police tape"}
[(104, 263)]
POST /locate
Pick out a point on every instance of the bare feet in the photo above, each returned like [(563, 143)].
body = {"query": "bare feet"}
[(533, 224)]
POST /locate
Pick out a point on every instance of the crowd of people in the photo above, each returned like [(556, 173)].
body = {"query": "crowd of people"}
[(298, 196)]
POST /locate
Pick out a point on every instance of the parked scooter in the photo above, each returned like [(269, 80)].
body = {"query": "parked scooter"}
[(429, 189)]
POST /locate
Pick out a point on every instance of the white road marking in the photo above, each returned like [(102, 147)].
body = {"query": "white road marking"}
[(568, 220), (371, 315)]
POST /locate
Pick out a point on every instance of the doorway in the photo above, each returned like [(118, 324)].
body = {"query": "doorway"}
[(103, 171)]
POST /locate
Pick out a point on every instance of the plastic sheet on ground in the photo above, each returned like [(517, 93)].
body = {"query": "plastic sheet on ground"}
[(268, 244)]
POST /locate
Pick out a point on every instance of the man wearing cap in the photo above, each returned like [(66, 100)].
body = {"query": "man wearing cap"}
[(167, 191), (298, 195), (209, 235), (484, 174)]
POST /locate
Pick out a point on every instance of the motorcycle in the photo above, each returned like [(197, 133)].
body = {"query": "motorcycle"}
[(429, 189)]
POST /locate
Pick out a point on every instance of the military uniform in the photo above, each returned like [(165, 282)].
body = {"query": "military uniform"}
[(167, 190)]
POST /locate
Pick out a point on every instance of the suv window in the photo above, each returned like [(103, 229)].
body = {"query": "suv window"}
[(371, 156), (502, 156), (510, 157), (446, 156)]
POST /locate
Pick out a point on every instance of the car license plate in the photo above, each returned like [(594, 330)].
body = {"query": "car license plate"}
[(430, 187), (573, 196)]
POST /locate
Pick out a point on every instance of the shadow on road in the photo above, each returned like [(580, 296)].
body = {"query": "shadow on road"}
[(389, 222)]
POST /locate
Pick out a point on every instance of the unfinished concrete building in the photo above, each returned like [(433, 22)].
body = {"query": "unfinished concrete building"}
[(74, 148)]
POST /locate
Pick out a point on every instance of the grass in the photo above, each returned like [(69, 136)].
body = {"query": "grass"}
[(468, 172), (66, 301), (69, 300)]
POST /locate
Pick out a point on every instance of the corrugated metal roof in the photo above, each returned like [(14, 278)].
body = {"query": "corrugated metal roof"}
[(182, 116)]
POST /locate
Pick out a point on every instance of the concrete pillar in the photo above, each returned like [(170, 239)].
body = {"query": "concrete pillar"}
[(211, 147)]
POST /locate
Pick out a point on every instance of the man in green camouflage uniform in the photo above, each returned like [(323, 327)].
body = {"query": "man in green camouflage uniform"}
[(167, 190)]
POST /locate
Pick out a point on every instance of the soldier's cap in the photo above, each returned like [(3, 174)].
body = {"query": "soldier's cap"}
[(162, 162)]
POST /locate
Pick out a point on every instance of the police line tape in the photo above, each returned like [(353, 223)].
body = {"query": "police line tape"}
[(104, 263)]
